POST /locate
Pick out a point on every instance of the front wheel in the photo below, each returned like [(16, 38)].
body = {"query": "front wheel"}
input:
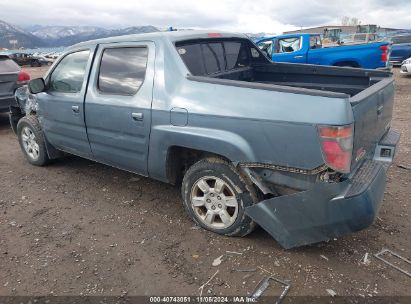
[(31, 140), (215, 196)]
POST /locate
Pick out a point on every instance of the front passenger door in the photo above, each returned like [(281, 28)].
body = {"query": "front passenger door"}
[(61, 106)]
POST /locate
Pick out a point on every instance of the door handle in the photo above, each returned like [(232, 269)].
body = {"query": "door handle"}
[(137, 116), (75, 109), (298, 56), (379, 109)]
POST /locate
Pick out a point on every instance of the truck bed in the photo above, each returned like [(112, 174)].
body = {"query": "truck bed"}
[(329, 79), (370, 93)]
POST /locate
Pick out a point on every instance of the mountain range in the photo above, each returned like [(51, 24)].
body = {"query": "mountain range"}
[(55, 36), (9, 32)]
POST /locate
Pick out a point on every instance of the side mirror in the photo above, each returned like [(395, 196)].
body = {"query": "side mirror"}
[(37, 85)]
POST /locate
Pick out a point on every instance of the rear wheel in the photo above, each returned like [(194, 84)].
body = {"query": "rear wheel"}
[(31, 140), (215, 196)]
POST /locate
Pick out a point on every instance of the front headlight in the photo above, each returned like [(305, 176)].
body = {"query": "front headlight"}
[(408, 61)]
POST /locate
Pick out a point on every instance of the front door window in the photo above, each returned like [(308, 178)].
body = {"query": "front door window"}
[(68, 76)]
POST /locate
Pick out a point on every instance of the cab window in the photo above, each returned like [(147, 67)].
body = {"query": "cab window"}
[(315, 42), (122, 70), (208, 57), (68, 76), (289, 45)]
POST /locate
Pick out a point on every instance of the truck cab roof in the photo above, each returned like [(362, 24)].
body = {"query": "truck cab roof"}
[(172, 36)]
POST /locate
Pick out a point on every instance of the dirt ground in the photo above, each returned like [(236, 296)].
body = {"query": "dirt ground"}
[(77, 227)]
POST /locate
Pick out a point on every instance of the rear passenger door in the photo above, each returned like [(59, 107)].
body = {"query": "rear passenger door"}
[(118, 104)]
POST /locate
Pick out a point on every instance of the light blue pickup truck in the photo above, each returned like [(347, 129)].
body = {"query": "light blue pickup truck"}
[(301, 150), (308, 48)]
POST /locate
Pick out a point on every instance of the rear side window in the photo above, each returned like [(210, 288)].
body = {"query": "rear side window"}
[(68, 76), (209, 57), (122, 70), (235, 54), (213, 57), (315, 42), (8, 66), (192, 57)]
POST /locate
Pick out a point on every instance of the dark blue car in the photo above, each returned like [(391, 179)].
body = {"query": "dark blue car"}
[(401, 49)]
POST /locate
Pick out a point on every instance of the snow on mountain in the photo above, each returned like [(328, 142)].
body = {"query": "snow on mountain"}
[(58, 32), (68, 35), (10, 33), (56, 36)]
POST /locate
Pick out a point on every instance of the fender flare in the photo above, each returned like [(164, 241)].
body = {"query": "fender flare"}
[(228, 144)]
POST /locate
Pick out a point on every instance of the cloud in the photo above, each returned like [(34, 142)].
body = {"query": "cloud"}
[(234, 15)]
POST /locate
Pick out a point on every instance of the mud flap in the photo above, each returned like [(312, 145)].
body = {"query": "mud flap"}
[(303, 218)]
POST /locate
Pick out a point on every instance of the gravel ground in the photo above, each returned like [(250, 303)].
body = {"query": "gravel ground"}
[(77, 227)]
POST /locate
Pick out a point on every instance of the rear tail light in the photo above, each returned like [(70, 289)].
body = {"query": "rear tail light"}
[(337, 145), (384, 56), (23, 78)]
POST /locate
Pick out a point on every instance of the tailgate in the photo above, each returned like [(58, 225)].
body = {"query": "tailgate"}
[(372, 110)]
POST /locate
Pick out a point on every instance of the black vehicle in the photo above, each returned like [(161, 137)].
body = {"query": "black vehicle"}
[(44, 60), (26, 59), (11, 77)]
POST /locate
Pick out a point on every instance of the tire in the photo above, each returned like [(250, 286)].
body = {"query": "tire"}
[(31, 140), (226, 186), (35, 63)]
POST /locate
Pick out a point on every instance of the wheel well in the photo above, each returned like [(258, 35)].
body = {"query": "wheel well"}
[(15, 115), (179, 159), (347, 63)]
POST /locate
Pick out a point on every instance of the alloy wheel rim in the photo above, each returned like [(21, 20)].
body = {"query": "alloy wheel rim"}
[(214, 202), (30, 143)]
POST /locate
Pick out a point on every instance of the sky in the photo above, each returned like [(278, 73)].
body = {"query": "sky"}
[(251, 16)]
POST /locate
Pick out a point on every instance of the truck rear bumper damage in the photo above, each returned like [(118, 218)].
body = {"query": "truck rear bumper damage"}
[(327, 210), (323, 212)]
